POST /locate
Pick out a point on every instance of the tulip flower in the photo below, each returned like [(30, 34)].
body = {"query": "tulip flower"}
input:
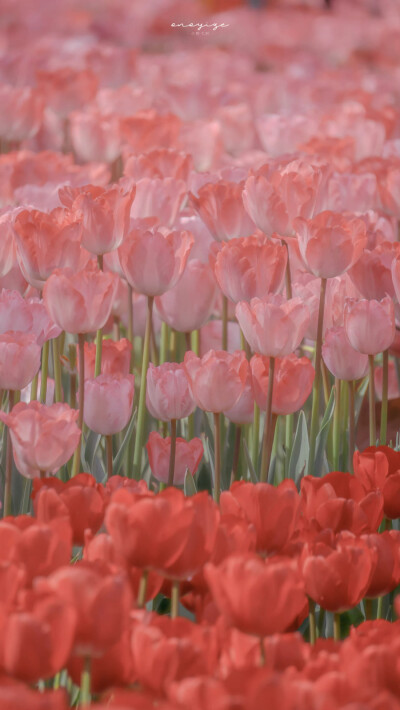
[(187, 457)]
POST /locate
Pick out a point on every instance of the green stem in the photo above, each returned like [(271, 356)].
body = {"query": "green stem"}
[(85, 697), (368, 609), (336, 426), (171, 470), (99, 348), (379, 608), (9, 462), (34, 387), (372, 421), (352, 424), (109, 447), (195, 342), (312, 622), (174, 599), (142, 589), (224, 323), (142, 397), (289, 422), (267, 447), (236, 453), (44, 372), (256, 434), (57, 370), (81, 352), (336, 626), (130, 326), (288, 276), (217, 456), (385, 388), (164, 343), (72, 364), (317, 379)]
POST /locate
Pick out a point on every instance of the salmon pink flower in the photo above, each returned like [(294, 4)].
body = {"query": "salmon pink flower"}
[(105, 218), (152, 261), (168, 394), (94, 136), (372, 273), (293, 381), (187, 457), (80, 302), (108, 403), (19, 359), (221, 208), (330, 243), (67, 89), (188, 305), (21, 112), (250, 267), (369, 325), (115, 357), (48, 241), (217, 379), (265, 206), (43, 438), (273, 326), (341, 359)]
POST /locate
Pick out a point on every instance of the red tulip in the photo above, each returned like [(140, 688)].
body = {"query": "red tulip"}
[(257, 597), (293, 382)]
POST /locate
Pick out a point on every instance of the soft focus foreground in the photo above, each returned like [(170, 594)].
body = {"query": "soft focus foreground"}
[(199, 355)]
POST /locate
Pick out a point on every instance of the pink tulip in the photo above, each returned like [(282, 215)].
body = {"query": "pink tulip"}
[(188, 455), (372, 274), (168, 394), (330, 243), (273, 326), (221, 208), (105, 218), (188, 305), (43, 438), (242, 411), (341, 359), (293, 381), (46, 242), (154, 262), (108, 403), (159, 163), (250, 268), (396, 276), (80, 302), (369, 325), (19, 359), (42, 325), (95, 137), (163, 198), (265, 206), (21, 112), (15, 313), (216, 380), (211, 336), (115, 357)]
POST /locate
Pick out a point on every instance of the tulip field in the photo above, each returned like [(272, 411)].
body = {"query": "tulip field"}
[(200, 354)]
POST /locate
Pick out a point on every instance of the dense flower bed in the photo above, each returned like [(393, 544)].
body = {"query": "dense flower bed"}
[(199, 355)]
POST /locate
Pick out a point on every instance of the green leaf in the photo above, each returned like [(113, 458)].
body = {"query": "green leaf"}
[(189, 486), (300, 450), (209, 456), (91, 445), (227, 462), (323, 436), (117, 462), (250, 466)]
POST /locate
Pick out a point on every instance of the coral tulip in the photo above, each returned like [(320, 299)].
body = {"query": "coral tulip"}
[(216, 380), (187, 457), (293, 380)]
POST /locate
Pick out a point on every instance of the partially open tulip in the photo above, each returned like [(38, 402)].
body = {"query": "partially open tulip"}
[(293, 381), (265, 506), (46, 242), (15, 313), (255, 596), (40, 634), (221, 208), (108, 403), (242, 411), (95, 137), (250, 267), (187, 457), (101, 602), (216, 380), (168, 394), (188, 305), (273, 326), (105, 218), (341, 359), (115, 357), (331, 243), (337, 575), (153, 261), (369, 325), (265, 206), (372, 273), (80, 302), (43, 438), (19, 359)]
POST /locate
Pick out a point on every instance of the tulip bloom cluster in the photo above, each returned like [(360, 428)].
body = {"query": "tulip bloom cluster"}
[(199, 355)]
